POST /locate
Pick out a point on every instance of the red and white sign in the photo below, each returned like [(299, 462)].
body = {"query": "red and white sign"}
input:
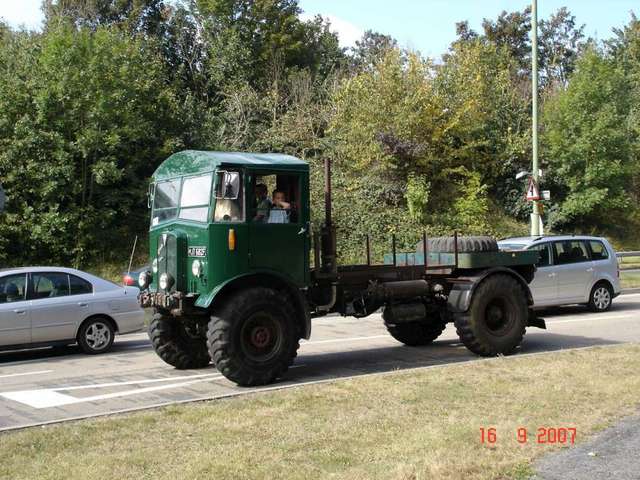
[(532, 191)]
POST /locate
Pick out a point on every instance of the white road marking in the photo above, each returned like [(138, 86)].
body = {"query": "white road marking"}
[(51, 397), (134, 382), (594, 318), (39, 372), (336, 340)]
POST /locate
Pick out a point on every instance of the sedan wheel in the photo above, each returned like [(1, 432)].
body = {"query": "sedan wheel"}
[(600, 300), (96, 336)]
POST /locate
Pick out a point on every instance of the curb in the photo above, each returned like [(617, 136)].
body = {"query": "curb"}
[(629, 291)]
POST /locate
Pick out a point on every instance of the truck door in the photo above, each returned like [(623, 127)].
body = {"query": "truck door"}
[(279, 224)]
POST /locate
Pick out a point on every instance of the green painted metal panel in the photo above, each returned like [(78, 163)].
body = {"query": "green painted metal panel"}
[(190, 162)]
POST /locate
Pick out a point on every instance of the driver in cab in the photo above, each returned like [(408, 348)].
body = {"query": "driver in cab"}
[(274, 210)]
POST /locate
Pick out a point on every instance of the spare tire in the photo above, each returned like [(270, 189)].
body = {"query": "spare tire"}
[(465, 244)]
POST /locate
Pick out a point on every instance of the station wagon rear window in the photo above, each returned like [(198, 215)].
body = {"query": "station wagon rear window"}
[(598, 250)]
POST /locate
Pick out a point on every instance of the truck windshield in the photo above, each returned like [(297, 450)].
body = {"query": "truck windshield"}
[(165, 201), (190, 194), (194, 198)]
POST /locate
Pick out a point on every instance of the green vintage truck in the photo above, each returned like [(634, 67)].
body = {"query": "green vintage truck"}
[(238, 272)]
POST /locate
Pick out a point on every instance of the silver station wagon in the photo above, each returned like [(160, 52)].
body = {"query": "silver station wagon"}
[(572, 269), (49, 306)]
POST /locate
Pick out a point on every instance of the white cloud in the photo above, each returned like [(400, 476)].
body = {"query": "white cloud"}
[(347, 32)]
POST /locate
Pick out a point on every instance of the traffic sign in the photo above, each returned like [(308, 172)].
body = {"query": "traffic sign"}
[(532, 191)]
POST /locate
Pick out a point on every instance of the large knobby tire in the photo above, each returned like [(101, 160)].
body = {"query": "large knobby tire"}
[(601, 297), (496, 320), (465, 244), (252, 336), (416, 334), (175, 345)]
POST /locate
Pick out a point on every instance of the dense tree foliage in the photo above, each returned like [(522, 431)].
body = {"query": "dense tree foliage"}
[(94, 102)]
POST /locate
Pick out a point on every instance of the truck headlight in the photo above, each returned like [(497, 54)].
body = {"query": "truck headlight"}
[(144, 279), (196, 268), (166, 281), (154, 265)]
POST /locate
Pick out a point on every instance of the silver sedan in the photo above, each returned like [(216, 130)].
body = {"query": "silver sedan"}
[(49, 306)]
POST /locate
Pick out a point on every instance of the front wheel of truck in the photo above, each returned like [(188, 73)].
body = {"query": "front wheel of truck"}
[(252, 336), (177, 344), (496, 320)]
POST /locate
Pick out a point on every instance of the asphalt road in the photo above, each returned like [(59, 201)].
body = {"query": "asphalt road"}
[(42, 386), (612, 454)]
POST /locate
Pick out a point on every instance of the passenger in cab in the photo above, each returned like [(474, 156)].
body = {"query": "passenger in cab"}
[(263, 204), (280, 208)]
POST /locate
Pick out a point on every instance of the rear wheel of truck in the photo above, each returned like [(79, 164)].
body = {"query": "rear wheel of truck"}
[(177, 344), (496, 320), (416, 334), (252, 337)]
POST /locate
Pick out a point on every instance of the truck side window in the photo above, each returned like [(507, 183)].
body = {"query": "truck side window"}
[(545, 254), (229, 197), (276, 198)]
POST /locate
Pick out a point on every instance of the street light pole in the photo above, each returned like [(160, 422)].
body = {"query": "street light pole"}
[(535, 216)]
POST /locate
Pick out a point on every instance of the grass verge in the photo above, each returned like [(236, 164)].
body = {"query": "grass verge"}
[(630, 279), (411, 425), (629, 262)]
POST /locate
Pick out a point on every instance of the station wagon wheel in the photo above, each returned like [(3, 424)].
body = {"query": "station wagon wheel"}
[(96, 335), (600, 298)]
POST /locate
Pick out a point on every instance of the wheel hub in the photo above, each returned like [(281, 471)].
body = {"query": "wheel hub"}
[(497, 317), (601, 298), (260, 336)]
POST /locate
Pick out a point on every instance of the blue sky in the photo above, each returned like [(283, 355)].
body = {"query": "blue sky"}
[(425, 25)]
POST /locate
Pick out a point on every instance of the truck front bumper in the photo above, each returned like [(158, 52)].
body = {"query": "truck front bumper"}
[(166, 301)]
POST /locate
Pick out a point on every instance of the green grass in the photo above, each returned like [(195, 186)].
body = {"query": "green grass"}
[(630, 279), (629, 262), (406, 425)]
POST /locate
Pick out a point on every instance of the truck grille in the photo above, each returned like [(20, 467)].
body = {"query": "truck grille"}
[(168, 257)]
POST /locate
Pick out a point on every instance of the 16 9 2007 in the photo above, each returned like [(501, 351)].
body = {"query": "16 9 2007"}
[(540, 435)]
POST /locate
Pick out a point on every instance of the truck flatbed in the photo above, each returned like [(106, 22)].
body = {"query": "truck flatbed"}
[(465, 260)]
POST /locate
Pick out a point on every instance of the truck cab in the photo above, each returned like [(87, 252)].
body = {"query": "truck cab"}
[(213, 222)]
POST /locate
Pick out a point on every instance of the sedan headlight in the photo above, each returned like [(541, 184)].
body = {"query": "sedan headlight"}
[(166, 281), (144, 279)]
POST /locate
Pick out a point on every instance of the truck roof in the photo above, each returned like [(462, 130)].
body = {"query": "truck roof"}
[(189, 162)]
